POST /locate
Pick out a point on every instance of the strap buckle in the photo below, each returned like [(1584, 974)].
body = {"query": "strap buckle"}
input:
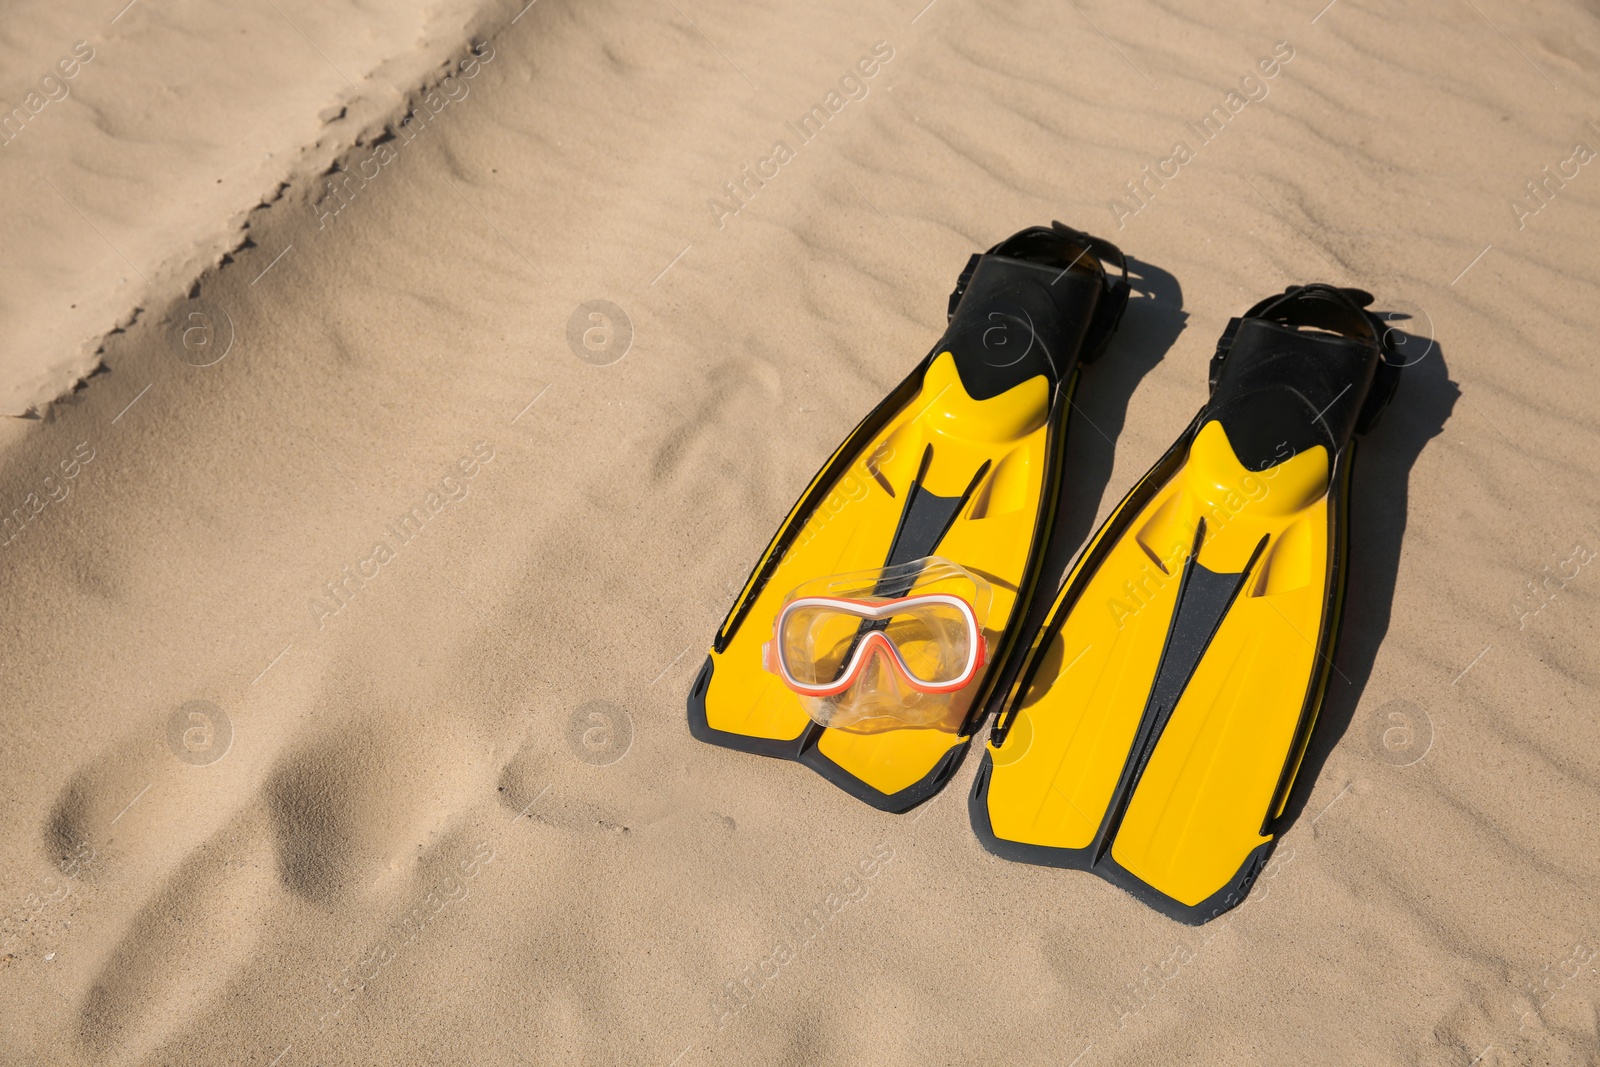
[(961, 284), (1224, 344)]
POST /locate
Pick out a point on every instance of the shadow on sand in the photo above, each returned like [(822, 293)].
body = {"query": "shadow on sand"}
[(1378, 491)]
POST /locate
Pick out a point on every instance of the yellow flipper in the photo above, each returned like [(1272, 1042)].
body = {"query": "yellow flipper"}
[(1158, 724), (964, 461)]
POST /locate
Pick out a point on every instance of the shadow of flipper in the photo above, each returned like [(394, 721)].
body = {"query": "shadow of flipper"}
[(1380, 479)]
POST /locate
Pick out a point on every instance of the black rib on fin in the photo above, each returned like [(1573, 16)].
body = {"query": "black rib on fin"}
[(924, 521), (1204, 598)]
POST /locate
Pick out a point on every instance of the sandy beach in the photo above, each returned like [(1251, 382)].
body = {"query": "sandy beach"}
[(396, 401)]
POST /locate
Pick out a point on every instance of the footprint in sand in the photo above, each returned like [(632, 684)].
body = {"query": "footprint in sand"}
[(106, 804), (182, 946), (354, 808), (573, 785), (339, 816)]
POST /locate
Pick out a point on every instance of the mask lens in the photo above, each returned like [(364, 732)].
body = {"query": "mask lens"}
[(934, 642), (816, 643)]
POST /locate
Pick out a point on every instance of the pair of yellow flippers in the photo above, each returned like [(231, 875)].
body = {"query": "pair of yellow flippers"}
[(1151, 730)]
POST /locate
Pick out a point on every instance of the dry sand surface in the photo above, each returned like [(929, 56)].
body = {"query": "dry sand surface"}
[(288, 782)]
